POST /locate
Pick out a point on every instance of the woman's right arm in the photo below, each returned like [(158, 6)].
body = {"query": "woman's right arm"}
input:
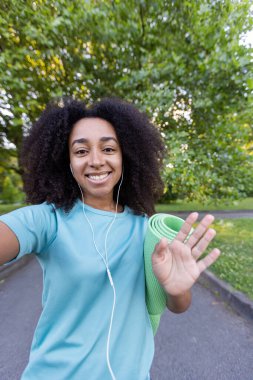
[(9, 244)]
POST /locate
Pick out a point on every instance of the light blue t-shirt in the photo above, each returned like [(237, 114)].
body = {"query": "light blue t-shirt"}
[(70, 339)]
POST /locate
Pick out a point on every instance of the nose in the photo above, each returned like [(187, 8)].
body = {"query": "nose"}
[(96, 159)]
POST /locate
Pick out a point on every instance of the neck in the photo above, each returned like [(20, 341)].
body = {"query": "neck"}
[(103, 205)]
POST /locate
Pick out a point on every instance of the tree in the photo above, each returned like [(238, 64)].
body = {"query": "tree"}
[(182, 62)]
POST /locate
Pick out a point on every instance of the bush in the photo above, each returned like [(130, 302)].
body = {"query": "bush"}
[(10, 193)]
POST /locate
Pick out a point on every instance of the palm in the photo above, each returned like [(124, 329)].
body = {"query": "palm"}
[(176, 265)]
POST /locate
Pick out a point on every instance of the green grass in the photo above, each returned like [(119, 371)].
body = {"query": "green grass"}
[(180, 205), (235, 240), (235, 265), (10, 207)]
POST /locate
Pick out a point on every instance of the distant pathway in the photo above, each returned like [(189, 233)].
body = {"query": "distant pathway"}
[(217, 214)]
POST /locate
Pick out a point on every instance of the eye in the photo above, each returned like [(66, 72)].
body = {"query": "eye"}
[(81, 152), (108, 150)]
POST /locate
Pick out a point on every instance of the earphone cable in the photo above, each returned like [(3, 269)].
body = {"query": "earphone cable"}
[(105, 260), (112, 285)]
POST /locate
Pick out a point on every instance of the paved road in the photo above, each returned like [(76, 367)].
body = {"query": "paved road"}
[(218, 214), (208, 342)]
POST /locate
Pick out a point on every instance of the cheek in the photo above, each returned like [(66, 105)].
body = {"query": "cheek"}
[(118, 165), (77, 165), (120, 160)]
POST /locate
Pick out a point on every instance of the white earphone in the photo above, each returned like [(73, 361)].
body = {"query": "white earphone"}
[(106, 262), (71, 170)]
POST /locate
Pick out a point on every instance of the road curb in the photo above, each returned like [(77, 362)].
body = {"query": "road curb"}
[(235, 299), (7, 269)]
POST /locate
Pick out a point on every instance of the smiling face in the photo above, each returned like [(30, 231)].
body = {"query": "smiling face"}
[(96, 160)]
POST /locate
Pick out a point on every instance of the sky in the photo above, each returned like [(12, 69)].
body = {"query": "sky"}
[(248, 39)]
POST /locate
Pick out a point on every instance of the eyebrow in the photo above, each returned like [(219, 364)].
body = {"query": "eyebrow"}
[(85, 141)]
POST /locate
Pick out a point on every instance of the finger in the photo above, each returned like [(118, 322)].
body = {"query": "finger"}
[(187, 226), (160, 248), (208, 260), (200, 230), (203, 243)]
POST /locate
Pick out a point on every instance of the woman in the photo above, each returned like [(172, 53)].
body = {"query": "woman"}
[(92, 177)]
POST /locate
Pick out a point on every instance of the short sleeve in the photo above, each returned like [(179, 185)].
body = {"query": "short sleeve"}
[(145, 225), (34, 226)]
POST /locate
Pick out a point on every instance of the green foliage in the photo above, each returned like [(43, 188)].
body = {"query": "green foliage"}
[(180, 61), (10, 187), (10, 194)]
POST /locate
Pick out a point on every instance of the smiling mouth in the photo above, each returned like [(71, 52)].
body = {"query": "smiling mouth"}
[(98, 177)]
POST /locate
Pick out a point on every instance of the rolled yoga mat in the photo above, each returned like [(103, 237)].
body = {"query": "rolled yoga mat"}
[(159, 225)]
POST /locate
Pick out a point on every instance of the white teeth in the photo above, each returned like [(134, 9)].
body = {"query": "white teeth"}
[(98, 177)]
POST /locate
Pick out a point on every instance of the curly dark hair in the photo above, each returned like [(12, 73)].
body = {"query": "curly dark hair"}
[(45, 154)]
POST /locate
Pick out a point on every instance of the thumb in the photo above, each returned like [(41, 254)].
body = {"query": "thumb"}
[(159, 251)]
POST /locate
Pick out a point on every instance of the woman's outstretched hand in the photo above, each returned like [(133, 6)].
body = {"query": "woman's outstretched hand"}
[(176, 265)]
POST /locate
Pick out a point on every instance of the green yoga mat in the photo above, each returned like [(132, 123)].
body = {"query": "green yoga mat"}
[(159, 225)]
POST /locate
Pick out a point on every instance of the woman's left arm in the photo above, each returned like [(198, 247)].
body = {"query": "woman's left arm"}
[(177, 266)]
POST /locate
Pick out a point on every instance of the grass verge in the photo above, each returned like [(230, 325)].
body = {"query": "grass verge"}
[(10, 207), (181, 205), (235, 265)]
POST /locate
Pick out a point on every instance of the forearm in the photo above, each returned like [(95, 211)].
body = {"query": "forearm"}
[(180, 303)]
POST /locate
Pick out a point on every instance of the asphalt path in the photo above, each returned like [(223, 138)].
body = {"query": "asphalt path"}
[(217, 214), (208, 342)]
